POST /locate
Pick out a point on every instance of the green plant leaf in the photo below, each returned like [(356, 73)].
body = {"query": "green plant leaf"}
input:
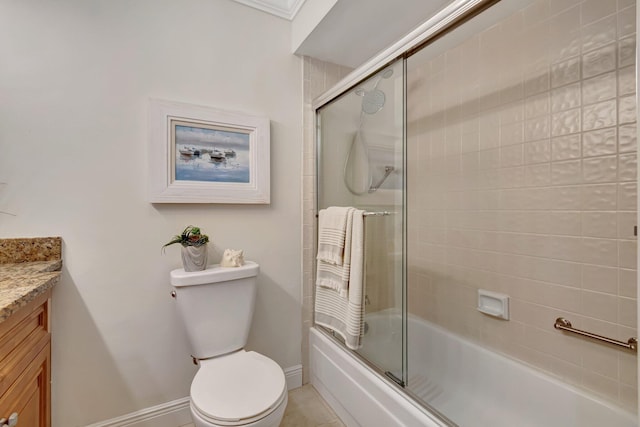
[(191, 236)]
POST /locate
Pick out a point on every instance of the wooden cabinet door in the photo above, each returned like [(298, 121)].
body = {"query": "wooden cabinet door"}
[(29, 395)]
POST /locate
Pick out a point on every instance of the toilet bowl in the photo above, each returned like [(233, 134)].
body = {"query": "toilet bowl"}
[(240, 389), (233, 387)]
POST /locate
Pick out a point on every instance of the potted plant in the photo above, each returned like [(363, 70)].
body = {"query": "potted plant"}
[(194, 248)]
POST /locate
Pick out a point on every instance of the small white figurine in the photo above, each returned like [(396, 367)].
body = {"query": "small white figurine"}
[(232, 258)]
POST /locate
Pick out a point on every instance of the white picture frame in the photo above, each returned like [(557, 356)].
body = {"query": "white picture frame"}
[(200, 154)]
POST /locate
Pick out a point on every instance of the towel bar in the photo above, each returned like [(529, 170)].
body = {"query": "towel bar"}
[(380, 213), (565, 325)]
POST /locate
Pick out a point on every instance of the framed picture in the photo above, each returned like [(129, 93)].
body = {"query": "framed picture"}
[(204, 155)]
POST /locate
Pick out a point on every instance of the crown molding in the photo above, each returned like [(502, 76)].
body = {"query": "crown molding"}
[(286, 9)]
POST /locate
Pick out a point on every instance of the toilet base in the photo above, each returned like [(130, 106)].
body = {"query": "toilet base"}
[(272, 420)]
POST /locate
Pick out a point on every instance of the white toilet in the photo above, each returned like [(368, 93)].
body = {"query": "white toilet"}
[(233, 387)]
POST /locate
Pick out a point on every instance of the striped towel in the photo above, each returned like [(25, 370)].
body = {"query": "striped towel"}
[(330, 274), (332, 231), (344, 312)]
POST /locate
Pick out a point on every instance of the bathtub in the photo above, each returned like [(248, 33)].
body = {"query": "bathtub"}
[(473, 386)]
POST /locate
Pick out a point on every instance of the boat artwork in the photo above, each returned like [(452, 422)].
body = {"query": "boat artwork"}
[(217, 156), (211, 155)]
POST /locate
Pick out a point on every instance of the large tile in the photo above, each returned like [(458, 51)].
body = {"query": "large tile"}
[(306, 409)]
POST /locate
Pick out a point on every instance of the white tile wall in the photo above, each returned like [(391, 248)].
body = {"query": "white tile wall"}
[(530, 187), (318, 77)]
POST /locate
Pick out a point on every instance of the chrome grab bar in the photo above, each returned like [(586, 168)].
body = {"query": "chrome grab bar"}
[(564, 325)]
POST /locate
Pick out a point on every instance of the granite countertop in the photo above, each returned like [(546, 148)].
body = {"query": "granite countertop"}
[(26, 273)]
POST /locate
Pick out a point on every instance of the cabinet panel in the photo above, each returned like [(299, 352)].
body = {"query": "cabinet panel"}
[(25, 368), (21, 331), (30, 413), (29, 395), (22, 337), (8, 327)]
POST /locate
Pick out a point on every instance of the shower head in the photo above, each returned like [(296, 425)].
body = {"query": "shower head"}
[(373, 100), (387, 73)]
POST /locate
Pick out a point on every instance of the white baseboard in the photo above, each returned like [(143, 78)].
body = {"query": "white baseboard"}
[(170, 414), (176, 413), (293, 376)]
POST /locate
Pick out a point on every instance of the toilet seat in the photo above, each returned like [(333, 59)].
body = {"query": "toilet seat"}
[(237, 389)]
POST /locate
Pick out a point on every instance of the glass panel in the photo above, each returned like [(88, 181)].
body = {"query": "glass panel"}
[(361, 165), (521, 180)]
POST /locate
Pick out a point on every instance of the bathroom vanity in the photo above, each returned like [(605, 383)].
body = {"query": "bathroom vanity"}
[(29, 268)]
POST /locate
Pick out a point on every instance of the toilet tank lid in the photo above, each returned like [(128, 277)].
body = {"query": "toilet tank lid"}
[(213, 274)]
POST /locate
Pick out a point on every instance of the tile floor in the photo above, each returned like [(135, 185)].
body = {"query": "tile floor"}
[(307, 409)]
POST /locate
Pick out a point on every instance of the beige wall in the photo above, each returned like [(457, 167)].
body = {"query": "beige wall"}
[(319, 76), (522, 180), (75, 79)]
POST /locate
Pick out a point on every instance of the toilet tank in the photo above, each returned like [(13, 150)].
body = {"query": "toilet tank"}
[(216, 306)]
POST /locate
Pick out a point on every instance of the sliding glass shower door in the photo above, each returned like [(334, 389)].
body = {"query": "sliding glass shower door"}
[(361, 164), (498, 161), (522, 183)]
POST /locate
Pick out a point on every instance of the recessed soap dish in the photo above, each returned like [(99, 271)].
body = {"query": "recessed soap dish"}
[(493, 303)]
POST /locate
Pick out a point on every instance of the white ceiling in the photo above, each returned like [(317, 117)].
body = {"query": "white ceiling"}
[(355, 30)]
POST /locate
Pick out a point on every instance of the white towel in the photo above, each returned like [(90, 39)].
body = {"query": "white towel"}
[(330, 274), (332, 227), (340, 313)]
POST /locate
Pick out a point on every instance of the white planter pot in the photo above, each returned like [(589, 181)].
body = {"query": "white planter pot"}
[(194, 258)]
